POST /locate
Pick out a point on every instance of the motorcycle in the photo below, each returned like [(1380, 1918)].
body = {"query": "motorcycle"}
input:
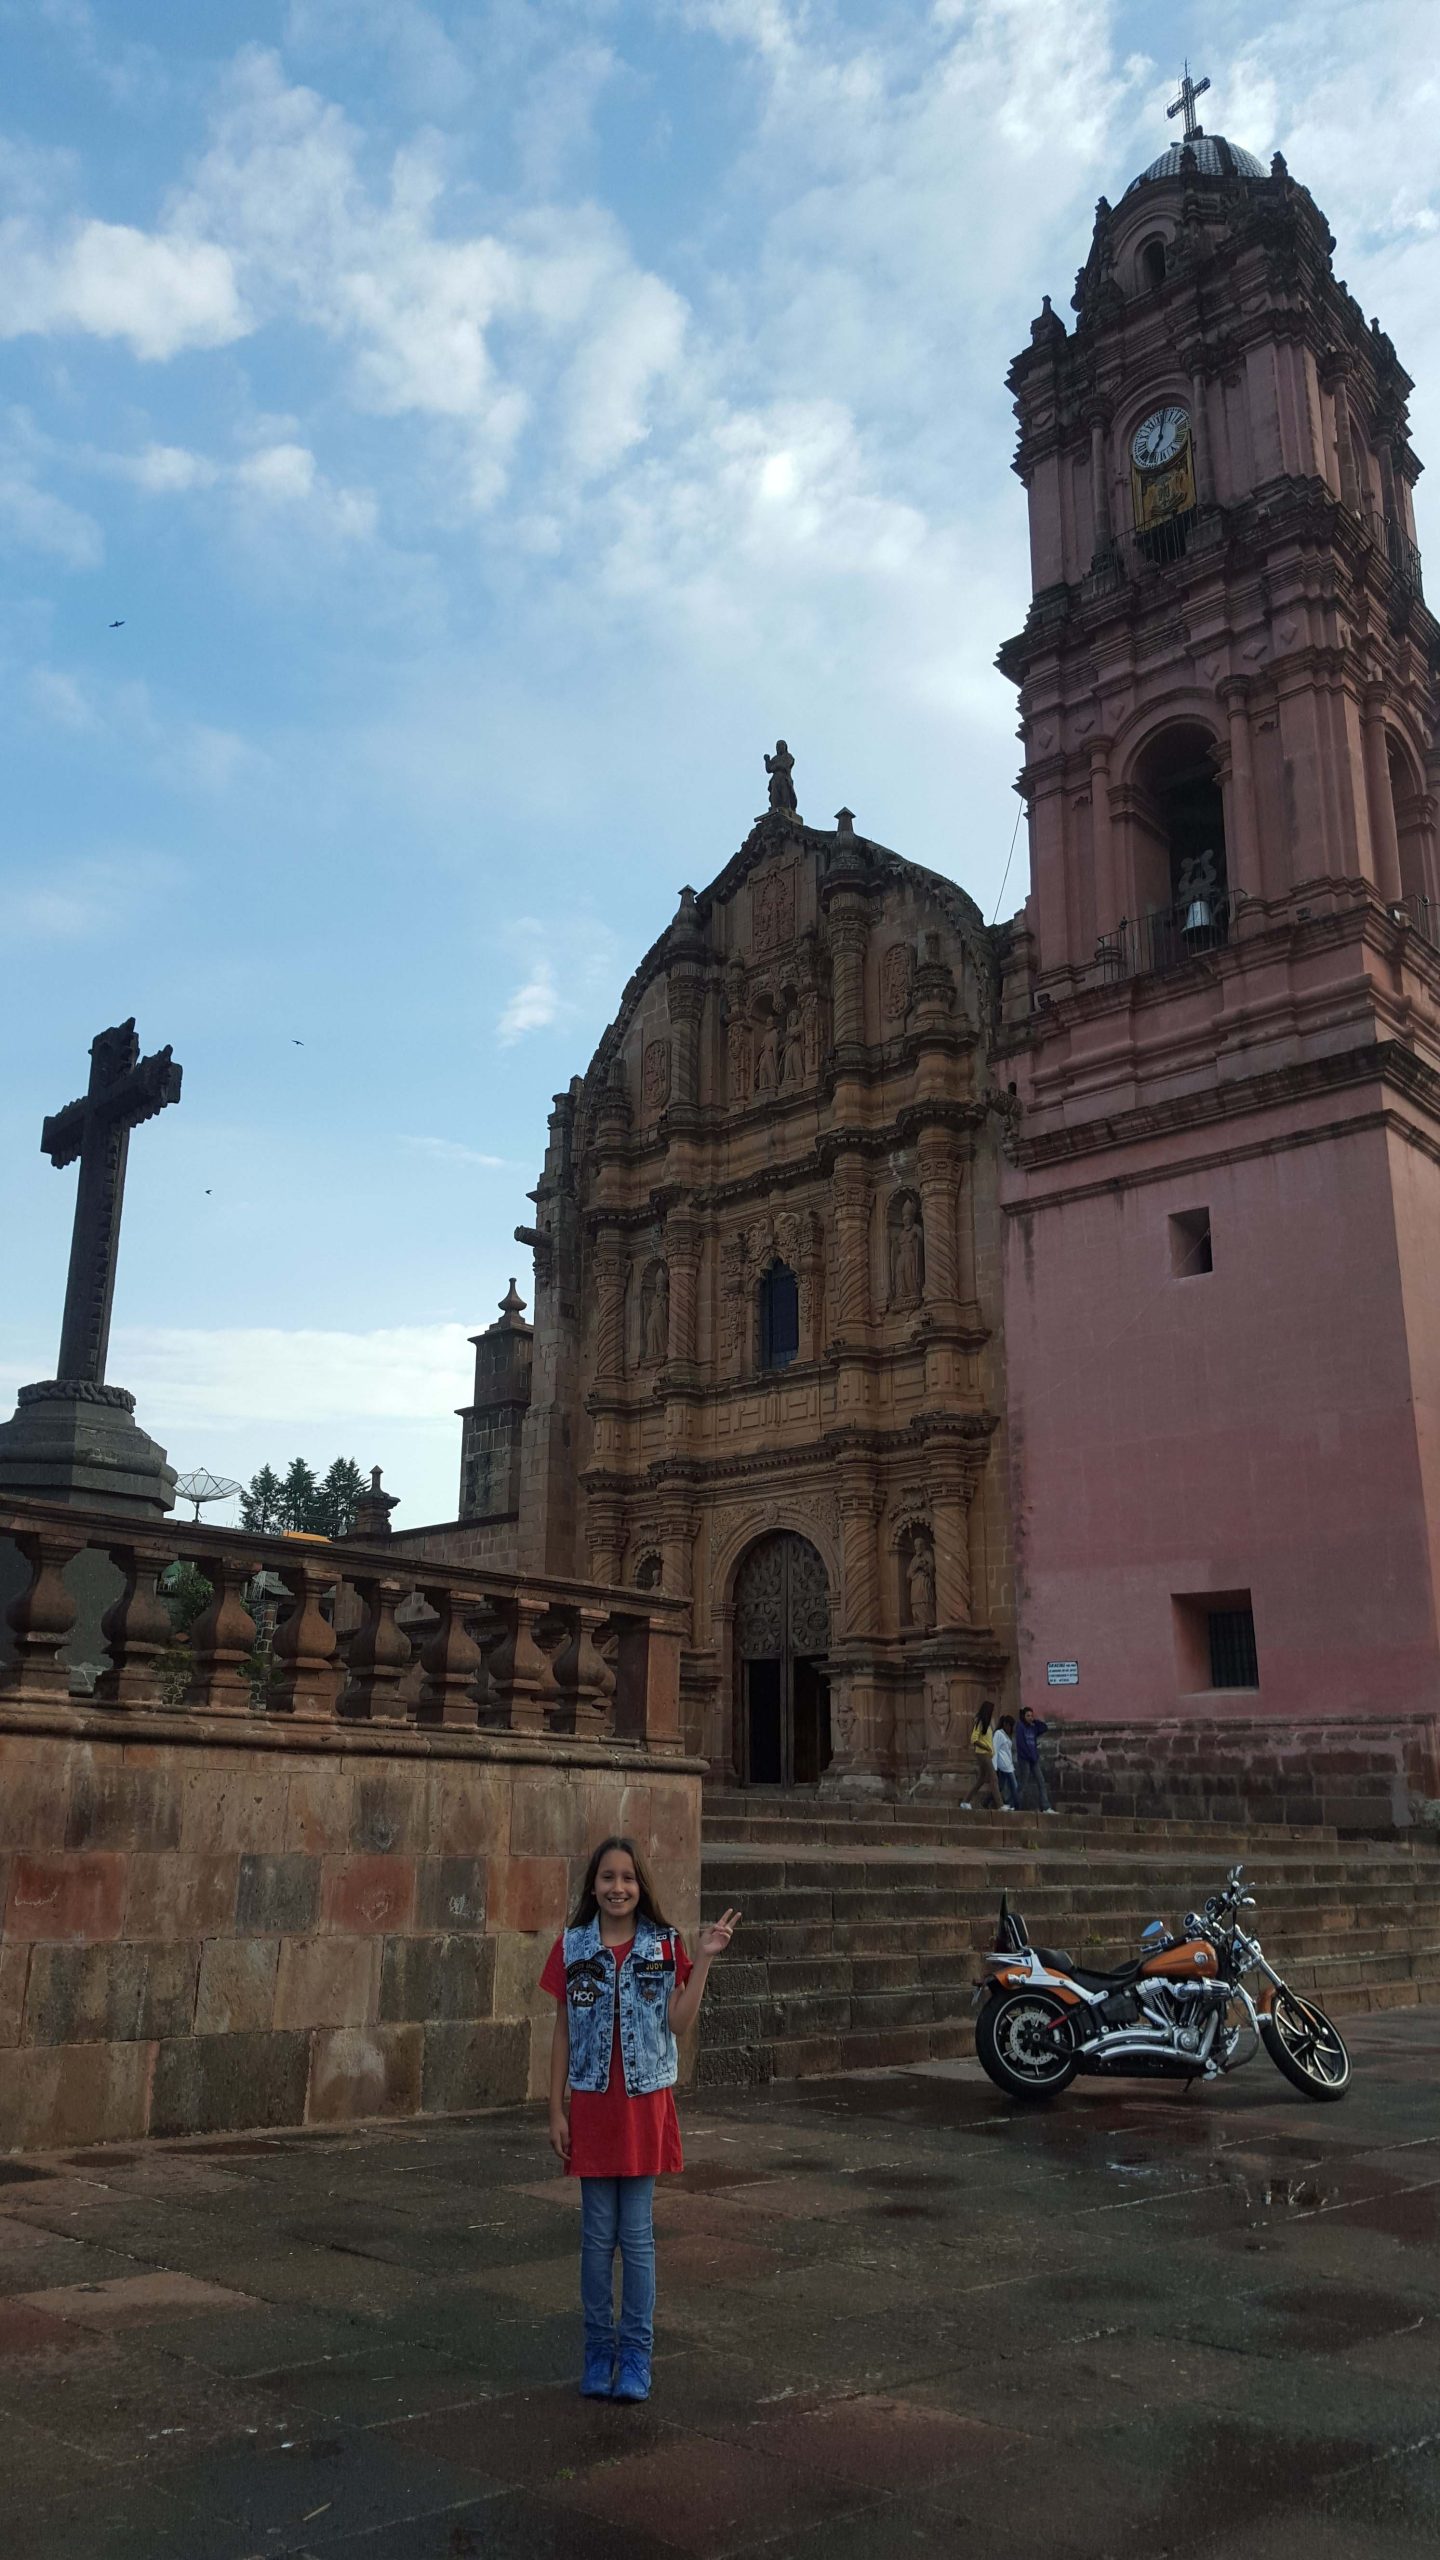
[(1181, 2010)]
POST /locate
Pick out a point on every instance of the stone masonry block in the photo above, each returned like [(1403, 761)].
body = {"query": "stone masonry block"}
[(360, 1894), (364, 2071), (179, 1897), (470, 1811), (14, 1975), (529, 1893), (603, 1805), (34, 1797), (475, 2066), (450, 1894), (237, 1985), (277, 1893), (327, 1982), (77, 1897), (519, 1962), (541, 2031), (390, 1812), (121, 1808), (230, 1804), (549, 1816), (320, 1811), (229, 2084), (438, 1978), (114, 1993), (54, 2096)]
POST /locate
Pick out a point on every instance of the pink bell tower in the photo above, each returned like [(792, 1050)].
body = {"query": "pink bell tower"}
[(1222, 1194)]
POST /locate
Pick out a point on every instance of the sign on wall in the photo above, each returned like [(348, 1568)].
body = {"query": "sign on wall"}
[(1062, 1675)]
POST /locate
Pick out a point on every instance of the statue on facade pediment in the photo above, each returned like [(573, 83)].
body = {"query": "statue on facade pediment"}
[(781, 769)]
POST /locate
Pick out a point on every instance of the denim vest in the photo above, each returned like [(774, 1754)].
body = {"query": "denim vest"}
[(647, 1978)]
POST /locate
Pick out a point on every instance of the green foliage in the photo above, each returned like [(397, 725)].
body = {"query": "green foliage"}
[(186, 1594), (299, 1497), (261, 1501), (339, 1495), (300, 1500)]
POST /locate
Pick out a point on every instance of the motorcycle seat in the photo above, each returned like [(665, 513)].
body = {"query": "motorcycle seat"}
[(1119, 1980), (1058, 1958)]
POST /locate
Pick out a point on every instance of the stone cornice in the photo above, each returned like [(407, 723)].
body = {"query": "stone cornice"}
[(1368, 1062), (964, 1438)]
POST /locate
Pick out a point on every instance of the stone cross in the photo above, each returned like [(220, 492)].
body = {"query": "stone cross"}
[(124, 1089), (1184, 105)]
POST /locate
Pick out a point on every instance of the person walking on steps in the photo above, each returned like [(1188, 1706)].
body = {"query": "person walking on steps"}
[(982, 1743), (1028, 1768), (624, 1988), (1003, 1740)]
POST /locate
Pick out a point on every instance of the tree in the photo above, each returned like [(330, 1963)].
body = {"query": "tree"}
[(338, 1497), (260, 1503), (299, 1497)]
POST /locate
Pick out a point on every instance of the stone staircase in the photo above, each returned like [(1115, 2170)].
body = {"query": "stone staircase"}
[(862, 1922)]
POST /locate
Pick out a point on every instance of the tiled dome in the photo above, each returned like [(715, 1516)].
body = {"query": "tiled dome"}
[(1214, 157)]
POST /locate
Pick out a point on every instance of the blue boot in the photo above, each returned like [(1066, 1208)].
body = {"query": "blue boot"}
[(598, 2380), (632, 2382)]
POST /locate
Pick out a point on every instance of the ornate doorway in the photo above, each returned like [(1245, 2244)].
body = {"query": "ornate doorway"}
[(782, 1637)]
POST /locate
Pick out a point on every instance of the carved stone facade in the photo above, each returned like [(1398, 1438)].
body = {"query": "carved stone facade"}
[(762, 1347)]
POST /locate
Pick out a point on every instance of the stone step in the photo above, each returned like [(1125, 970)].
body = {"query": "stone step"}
[(863, 1823)]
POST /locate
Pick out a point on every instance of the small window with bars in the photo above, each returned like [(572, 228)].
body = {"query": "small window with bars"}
[(1214, 1642), (1233, 1660)]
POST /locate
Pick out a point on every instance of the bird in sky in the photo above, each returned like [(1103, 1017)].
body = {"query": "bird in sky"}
[(117, 626), (297, 1044)]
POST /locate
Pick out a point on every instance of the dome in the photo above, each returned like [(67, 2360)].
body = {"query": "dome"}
[(1214, 158)]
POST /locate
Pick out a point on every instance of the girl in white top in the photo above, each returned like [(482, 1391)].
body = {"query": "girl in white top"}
[(1004, 1747)]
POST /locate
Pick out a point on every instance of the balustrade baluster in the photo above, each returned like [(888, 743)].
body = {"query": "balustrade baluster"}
[(138, 1630), (585, 1682), (43, 1615), (221, 1641), (520, 1677), (379, 1655), (305, 1646), (451, 1663)]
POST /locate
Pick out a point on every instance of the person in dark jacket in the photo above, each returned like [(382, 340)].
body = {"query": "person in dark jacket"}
[(1028, 1771)]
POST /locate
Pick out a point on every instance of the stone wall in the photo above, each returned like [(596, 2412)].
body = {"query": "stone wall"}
[(1358, 1773), (211, 1930)]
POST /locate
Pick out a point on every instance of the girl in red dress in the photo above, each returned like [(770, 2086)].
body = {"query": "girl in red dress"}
[(624, 1988)]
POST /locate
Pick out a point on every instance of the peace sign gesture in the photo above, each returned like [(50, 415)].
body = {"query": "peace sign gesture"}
[(715, 1939)]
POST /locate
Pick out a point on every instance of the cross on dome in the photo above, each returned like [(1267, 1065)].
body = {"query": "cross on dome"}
[(1184, 105)]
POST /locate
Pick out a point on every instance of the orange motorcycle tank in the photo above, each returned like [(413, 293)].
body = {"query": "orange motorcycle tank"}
[(1191, 1961)]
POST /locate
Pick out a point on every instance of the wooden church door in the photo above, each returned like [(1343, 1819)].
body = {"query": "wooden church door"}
[(782, 1637)]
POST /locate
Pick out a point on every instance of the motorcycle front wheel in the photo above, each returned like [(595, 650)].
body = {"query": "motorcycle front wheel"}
[(1306, 2046), (1014, 2045)]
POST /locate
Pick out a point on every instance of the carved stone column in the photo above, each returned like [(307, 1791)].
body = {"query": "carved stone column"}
[(1200, 439), (609, 1312), (850, 1194), (1244, 863), (859, 1508), (950, 1491), (938, 1201), (678, 1532), (1102, 839), (1099, 484), (849, 935), (686, 1000), (1384, 841), (605, 1535), (682, 1253)]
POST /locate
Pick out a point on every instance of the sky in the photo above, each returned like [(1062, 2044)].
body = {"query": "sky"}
[(491, 426)]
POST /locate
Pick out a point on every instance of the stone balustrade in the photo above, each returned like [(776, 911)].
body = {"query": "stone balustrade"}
[(366, 1635)]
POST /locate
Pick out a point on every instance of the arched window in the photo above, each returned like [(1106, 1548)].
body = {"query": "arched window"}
[(779, 1317), (1152, 265), (1181, 877), (648, 1572)]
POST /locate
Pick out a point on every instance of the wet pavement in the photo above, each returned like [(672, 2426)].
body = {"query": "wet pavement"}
[(897, 2317)]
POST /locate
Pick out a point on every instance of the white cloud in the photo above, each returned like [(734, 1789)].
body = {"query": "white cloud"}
[(34, 519), (163, 467), (82, 900), (449, 1151), (160, 293), (185, 1376), (121, 716), (532, 1007)]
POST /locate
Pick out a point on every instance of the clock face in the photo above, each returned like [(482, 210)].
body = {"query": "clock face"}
[(1158, 439)]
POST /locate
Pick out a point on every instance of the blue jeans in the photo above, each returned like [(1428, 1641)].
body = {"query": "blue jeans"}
[(1031, 1775), (1010, 1793), (617, 2213)]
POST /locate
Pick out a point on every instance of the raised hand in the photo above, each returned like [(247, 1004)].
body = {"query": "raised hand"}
[(715, 1939)]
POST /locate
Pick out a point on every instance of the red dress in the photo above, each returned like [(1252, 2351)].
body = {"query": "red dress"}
[(613, 2135)]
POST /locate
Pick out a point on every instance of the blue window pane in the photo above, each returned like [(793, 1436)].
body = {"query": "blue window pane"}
[(779, 1318)]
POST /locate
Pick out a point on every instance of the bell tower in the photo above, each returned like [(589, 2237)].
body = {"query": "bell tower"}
[(1223, 994)]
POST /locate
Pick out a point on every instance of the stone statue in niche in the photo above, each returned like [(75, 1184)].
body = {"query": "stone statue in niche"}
[(655, 1313), (767, 1057), (907, 1255), (655, 1074), (920, 1580), (781, 768), (791, 1057), (772, 910)]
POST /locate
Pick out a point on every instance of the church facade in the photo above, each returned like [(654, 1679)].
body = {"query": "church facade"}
[(944, 1311)]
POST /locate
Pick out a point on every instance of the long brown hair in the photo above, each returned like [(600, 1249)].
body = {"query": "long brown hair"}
[(587, 1908)]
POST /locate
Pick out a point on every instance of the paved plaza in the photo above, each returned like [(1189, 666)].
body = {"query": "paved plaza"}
[(896, 2317)]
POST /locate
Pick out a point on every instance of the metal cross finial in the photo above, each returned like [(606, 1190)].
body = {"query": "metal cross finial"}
[(124, 1089), (1184, 105)]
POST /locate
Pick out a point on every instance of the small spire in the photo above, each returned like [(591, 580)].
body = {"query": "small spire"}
[(512, 1308), (844, 822)]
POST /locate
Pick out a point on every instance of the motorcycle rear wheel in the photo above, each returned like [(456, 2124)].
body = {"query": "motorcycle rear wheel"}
[(1013, 2045), (1306, 2046)]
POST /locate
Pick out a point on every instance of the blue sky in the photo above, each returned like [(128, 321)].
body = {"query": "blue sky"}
[(493, 424)]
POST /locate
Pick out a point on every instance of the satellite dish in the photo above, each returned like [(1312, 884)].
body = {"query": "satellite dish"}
[(200, 1486)]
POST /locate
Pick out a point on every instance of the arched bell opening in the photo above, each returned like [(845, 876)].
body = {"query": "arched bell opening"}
[(1414, 821), (782, 1685), (1178, 851)]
